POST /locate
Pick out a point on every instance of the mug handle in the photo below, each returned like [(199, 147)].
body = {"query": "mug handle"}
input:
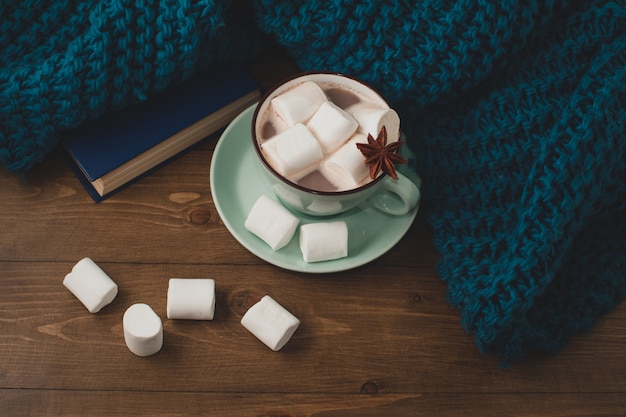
[(396, 197)]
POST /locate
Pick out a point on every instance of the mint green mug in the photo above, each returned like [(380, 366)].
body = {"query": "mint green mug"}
[(352, 101)]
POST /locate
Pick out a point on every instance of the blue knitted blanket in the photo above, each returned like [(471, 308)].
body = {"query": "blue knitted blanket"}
[(516, 112)]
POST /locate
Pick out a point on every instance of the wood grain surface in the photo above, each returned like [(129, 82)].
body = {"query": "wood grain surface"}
[(379, 340)]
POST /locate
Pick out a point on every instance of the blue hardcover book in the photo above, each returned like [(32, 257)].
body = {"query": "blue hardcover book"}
[(111, 152)]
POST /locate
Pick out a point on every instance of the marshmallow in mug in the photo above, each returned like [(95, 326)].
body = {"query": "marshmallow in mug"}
[(271, 222), (324, 241), (143, 330), (270, 322), (91, 285), (298, 104), (332, 126), (346, 165), (372, 119), (294, 152), (191, 299)]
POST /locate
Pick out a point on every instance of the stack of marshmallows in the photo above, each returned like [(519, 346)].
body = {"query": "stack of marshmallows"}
[(187, 298), (317, 135)]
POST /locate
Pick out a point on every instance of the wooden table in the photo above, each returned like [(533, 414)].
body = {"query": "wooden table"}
[(379, 340)]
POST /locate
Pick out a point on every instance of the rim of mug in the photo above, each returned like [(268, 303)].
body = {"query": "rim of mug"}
[(266, 96)]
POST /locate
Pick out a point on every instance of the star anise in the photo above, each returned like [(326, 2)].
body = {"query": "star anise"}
[(380, 156)]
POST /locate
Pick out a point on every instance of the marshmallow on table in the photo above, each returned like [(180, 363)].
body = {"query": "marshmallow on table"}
[(191, 299), (91, 285), (143, 330), (372, 119), (270, 322), (294, 151), (347, 167), (298, 104), (272, 222), (324, 241), (332, 126)]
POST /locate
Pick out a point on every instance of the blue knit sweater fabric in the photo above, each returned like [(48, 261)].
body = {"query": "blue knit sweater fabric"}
[(516, 112)]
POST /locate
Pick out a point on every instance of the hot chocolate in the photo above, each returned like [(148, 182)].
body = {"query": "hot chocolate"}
[(308, 132)]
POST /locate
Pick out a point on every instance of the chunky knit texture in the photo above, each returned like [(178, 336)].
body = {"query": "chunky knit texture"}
[(516, 112), (63, 62)]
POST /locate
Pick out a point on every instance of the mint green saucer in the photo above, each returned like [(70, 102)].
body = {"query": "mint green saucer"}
[(236, 184)]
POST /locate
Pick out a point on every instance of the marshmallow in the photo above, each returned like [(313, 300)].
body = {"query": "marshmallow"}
[(91, 285), (293, 152), (298, 104), (270, 322), (271, 222), (324, 241), (372, 119), (332, 126), (191, 299), (347, 167), (143, 330)]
